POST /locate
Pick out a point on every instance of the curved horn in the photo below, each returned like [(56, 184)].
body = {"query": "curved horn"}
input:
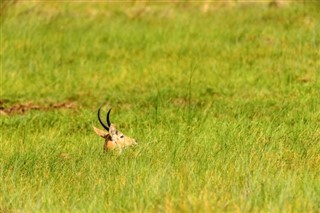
[(104, 126), (108, 119)]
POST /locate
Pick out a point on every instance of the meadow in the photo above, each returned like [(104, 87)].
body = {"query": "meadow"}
[(225, 105)]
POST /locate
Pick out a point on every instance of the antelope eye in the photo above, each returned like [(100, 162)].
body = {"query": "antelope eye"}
[(121, 136)]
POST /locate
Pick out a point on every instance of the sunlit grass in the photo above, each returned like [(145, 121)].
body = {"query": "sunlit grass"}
[(225, 106)]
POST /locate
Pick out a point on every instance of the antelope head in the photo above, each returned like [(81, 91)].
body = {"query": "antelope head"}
[(114, 139)]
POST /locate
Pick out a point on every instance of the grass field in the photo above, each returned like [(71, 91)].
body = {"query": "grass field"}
[(225, 106)]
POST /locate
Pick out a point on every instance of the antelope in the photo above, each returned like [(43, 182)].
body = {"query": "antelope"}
[(113, 138)]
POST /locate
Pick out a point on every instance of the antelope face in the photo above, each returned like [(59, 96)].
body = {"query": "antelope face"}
[(114, 139)]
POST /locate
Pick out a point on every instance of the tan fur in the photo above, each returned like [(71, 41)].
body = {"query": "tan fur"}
[(114, 139), (109, 145), (100, 132)]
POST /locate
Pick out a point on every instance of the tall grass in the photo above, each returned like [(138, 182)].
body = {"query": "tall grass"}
[(225, 106)]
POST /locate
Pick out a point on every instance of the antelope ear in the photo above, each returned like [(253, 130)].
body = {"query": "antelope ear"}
[(100, 132)]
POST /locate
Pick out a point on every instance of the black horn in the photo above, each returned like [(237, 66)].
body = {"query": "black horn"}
[(104, 126), (108, 119)]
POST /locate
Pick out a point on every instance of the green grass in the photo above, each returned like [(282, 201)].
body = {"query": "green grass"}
[(225, 106)]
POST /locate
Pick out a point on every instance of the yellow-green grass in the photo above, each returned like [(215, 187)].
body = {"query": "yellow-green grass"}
[(225, 106)]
